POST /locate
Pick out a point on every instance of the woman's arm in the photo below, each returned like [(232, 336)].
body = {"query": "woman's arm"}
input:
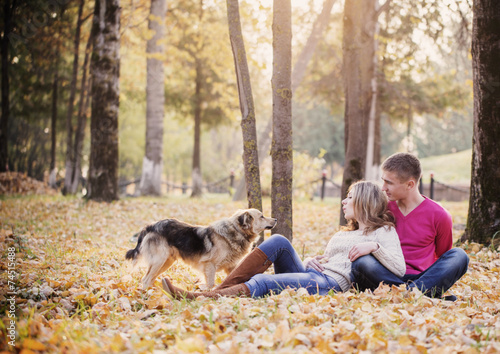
[(389, 252)]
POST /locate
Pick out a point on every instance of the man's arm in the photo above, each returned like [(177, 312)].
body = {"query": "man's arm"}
[(444, 233)]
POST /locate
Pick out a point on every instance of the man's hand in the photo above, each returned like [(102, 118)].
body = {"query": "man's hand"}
[(315, 263), (362, 249)]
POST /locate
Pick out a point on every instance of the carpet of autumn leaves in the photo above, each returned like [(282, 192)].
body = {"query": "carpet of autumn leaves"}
[(75, 293)]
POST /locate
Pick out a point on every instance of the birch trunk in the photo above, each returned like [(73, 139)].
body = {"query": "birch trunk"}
[(105, 72), (152, 166)]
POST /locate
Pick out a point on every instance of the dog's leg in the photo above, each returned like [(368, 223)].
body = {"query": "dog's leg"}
[(209, 271), (168, 263), (154, 270)]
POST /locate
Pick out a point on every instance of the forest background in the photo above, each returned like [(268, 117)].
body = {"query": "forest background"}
[(69, 288), (424, 74)]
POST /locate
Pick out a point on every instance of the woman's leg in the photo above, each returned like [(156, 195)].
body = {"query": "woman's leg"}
[(276, 249), (312, 280), (281, 252)]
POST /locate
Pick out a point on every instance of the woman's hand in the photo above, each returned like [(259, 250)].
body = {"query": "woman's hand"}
[(315, 263), (362, 249)]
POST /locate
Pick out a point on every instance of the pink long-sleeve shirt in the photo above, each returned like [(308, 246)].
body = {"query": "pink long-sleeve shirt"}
[(425, 234)]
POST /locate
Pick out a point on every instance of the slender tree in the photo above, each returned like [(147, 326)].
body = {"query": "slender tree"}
[(82, 118), (282, 145), (105, 72), (248, 125), (483, 222), (152, 165), (53, 126), (298, 73), (196, 176), (8, 10), (70, 158)]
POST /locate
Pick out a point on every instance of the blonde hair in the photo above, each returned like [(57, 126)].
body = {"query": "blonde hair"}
[(370, 207)]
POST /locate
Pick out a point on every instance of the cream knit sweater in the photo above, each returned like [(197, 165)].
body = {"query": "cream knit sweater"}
[(389, 253)]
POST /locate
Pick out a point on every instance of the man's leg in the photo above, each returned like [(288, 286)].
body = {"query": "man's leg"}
[(367, 273), (445, 272)]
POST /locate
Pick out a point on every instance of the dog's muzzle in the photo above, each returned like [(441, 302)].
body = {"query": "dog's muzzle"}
[(270, 227)]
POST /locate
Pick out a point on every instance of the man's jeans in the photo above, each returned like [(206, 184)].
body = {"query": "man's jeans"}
[(368, 273), (289, 272)]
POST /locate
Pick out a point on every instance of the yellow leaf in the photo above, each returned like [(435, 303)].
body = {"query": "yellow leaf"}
[(367, 307), (352, 336), (191, 345), (117, 343), (26, 351), (405, 340), (222, 337), (33, 344)]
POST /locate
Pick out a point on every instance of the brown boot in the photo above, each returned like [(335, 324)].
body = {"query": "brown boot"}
[(255, 263), (240, 290)]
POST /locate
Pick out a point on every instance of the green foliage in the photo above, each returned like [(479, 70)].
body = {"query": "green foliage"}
[(200, 46), (413, 73), (316, 132)]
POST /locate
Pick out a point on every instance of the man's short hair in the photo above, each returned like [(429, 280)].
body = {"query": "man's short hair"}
[(405, 165)]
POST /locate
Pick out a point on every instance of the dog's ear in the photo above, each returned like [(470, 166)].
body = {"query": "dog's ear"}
[(245, 220)]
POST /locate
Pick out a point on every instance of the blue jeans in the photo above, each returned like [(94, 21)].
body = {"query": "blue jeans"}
[(289, 272), (368, 273)]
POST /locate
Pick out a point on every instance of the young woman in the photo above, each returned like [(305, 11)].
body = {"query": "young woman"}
[(370, 230)]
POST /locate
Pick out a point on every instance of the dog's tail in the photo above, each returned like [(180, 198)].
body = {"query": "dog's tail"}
[(134, 253)]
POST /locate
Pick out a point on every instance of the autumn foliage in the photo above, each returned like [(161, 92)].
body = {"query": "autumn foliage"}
[(75, 293)]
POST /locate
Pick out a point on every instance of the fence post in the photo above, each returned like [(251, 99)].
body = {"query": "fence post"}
[(231, 179), (421, 186), (184, 187), (323, 182), (432, 186)]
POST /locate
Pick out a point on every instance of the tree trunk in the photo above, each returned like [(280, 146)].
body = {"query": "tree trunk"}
[(152, 166), (105, 71), (53, 135), (196, 172), (70, 158), (248, 125), (358, 51), (8, 10), (82, 120), (298, 74), (371, 169), (483, 222), (282, 146)]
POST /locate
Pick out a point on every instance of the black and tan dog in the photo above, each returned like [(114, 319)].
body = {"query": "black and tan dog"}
[(209, 249)]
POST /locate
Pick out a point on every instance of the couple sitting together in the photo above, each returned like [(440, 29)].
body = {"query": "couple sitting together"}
[(396, 237)]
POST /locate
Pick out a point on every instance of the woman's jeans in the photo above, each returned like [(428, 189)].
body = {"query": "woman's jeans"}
[(289, 272), (368, 273)]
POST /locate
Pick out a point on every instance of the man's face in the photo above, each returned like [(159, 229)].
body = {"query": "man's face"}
[(393, 187)]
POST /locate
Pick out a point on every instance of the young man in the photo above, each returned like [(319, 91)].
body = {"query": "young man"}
[(425, 232)]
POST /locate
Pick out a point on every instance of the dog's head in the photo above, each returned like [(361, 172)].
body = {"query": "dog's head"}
[(253, 221)]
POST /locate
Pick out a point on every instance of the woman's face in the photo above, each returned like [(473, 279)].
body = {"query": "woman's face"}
[(348, 207)]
